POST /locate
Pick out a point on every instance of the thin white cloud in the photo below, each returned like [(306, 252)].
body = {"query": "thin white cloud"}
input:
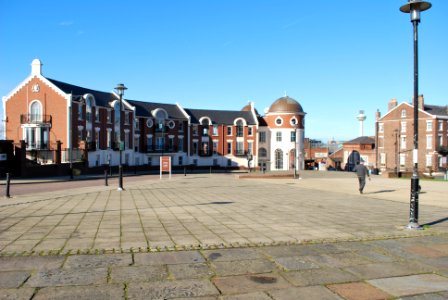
[(66, 23)]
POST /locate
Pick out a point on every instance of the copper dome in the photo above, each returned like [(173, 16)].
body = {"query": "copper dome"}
[(285, 105)]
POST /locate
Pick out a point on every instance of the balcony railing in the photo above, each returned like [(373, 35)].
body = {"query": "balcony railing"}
[(205, 153), (156, 149), (239, 152), (35, 119)]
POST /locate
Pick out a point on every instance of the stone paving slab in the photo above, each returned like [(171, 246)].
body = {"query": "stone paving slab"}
[(321, 276), (24, 263), (13, 279), (97, 261), (381, 270), (359, 291), (167, 290), (411, 285), (239, 267), (304, 293), (168, 258), (85, 276), (138, 273), (17, 294), (250, 283), (100, 292)]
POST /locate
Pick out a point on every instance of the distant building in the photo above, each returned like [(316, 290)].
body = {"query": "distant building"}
[(48, 114), (395, 140)]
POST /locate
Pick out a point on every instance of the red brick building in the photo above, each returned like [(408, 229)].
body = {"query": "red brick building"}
[(48, 113), (395, 137)]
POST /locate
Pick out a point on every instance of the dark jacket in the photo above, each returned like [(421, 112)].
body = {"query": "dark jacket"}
[(361, 171)]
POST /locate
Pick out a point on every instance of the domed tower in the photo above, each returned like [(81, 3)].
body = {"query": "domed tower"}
[(285, 120)]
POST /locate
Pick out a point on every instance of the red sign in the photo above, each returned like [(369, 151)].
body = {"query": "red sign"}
[(166, 164)]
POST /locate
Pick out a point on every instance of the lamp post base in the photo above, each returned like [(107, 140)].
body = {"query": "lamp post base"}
[(414, 226)]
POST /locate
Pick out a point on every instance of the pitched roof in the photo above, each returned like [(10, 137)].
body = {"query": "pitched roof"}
[(362, 140), (436, 110), (101, 98), (220, 116), (144, 109)]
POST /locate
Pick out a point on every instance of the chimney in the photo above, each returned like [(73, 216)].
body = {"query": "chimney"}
[(377, 115), (392, 104), (421, 102)]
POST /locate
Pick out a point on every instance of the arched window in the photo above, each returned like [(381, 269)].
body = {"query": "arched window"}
[(262, 153), (205, 123), (35, 111), (89, 109), (239, 128), (279, 159), (117, 111)]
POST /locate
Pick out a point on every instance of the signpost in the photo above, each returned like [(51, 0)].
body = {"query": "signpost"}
[(165, 165)]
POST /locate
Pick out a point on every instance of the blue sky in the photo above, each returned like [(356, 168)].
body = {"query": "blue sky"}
[(335, 58)]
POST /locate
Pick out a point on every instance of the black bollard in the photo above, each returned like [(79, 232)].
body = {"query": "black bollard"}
[(185, 171), (8, 183), (105, 178)]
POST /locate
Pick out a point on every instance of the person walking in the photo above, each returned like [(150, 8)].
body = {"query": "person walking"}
[(361, 172)]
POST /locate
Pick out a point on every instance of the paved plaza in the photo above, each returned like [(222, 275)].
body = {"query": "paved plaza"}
[(216, 236)]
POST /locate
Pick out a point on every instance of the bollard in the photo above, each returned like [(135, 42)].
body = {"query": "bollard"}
[(105, 178), (8, 183), (185, 171)]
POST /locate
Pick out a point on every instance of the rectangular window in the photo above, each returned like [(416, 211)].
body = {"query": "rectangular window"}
[(180, 145), (195, 148), (429, 142), (250, 131), (440, 140), (403, 142), (381, 127), (215, 129), (205, 131), (278, 136), (440, 125), (149, 143), (79, 111), (239, 148), (97, 114), (429, 160), (403, 113), (402, 159), (136, 145), (239, 131), (229, 147), (181, 160), (109, 139), (181, 126), (171, 143), (428, 125), (160, 141), (127, 140), (403, 127), (109, 116), (250, 147), (293, 136), (215, 147), (383, 158), (229, 130), (195, 129), (262, 137)]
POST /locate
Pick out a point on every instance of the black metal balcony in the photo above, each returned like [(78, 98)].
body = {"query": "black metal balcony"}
[(156, 149), (240, 153), (35, 119), (205, 153)]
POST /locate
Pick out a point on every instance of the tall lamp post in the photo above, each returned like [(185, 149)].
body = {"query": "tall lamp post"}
[(414, 7), (120, 89)]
